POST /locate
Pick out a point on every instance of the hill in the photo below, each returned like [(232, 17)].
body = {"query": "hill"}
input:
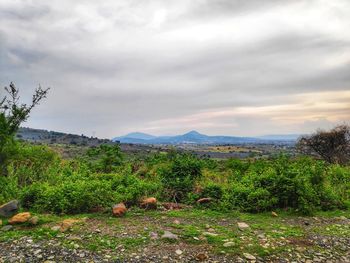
[(50, 137), (194, 137)]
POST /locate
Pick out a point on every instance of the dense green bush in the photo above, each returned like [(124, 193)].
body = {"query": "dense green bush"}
[(180, 175), (46, 183)]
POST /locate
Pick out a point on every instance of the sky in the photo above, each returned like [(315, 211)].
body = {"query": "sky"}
[(221, 67)]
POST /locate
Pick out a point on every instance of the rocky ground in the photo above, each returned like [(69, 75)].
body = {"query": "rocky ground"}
[(179, 236)]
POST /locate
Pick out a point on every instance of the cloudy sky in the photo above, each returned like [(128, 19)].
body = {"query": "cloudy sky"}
[(232, 67)]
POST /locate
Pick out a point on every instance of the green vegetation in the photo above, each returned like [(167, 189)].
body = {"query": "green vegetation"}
[(46, 183), (101, 177)]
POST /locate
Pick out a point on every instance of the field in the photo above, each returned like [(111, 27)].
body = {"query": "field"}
[(202, 235), (273, 208)]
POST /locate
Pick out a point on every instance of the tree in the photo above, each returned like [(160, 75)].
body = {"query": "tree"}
[(12, 115), (333, 146), (108, 157)]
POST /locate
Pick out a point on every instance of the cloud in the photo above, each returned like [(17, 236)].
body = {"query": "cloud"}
[(160, 66)]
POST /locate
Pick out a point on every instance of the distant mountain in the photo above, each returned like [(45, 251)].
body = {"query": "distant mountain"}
[(136, 135), (194, 137), (280, 137)]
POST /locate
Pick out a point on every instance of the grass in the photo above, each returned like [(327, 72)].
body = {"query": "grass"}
[(132, 232)]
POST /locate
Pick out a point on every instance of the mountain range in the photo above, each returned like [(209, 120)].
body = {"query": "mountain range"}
[(194, 137)]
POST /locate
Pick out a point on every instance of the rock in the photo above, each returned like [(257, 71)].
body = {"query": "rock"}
[(9, 209), (176, 222), (55, 228), (6, 228), (149, 203), (249, 256), (201, 257), (33, 220), (20, 218), (153, 235), (242, 226), (210, 234), (229, 244), (274, 214), (169, 235), (204, 200), (178, 252), (119, 210), (67, 224)]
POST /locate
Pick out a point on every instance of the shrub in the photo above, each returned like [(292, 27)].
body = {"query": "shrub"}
[(9, 189), (179, 177), (213, 191)]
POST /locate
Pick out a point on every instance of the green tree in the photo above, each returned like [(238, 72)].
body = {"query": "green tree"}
[(12, 115), (107, 157)]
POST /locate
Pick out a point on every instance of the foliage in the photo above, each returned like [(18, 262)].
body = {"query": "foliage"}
[(180, 175), (106, 158), (12, 114), (333, 146), (45, 183)]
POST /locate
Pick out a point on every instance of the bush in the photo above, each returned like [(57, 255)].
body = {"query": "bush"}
[(9, 189), (85, 195), (179, 177)]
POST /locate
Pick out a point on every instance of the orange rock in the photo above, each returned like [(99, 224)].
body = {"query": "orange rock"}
[(119, 209), (20, 218), (149, 203)]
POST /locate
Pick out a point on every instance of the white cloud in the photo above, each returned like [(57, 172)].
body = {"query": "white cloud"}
[(171, 66)]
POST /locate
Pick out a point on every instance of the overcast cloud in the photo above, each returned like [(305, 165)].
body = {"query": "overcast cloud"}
[(229, 67)]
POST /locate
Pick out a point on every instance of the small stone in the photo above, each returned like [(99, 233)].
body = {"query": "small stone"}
[(6, 228), (55, 228), (274, 214), (176, 222), (201, 257), (169, 235), (210, 234), (74, 238), (33, 220), (67, 224), (36, 252), (178, 252), (242, 225), (249, 256), (229, 244), (153, 235)]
